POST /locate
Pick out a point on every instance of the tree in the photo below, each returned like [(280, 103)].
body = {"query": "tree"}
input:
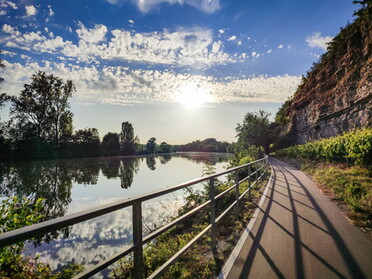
[(256, 130), (128, 141), (4, 148), (44, 104), (110, 144), (88, 141), (151, 145), (165, 148)]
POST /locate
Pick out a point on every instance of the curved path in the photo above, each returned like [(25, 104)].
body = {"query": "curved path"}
[(300, 233)]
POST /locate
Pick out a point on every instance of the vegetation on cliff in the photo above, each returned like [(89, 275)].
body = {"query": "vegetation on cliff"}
[(353, 148), (334, 96), (353, 35)]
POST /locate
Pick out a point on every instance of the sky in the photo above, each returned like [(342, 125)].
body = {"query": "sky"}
[(178, 70)]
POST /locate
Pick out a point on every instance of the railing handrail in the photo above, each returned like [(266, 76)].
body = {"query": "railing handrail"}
[(25, 233)]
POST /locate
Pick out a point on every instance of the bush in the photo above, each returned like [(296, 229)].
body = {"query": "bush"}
[(351, 148), (17, 213)]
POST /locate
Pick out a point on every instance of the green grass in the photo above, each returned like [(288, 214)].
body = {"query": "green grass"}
[(349, 185)]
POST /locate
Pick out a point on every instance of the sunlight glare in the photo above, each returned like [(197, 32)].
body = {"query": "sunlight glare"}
[(193, 95)]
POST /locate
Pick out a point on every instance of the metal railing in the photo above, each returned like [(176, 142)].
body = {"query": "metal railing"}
[(37, 230)]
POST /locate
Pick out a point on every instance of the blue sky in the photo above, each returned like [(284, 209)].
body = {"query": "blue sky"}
[(179, 70)]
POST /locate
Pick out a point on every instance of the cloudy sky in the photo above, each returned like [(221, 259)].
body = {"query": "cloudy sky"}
[(178, 70)]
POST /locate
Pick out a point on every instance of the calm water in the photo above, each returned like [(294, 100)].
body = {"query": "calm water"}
[(74, 185)]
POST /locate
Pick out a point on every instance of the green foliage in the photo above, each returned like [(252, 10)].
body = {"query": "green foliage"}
[(17, 213), (110, 144), (352, 148), (151, 145), (128, 141), (198, 261), (44, 104), (352, 186), (88, 142), (165, 148), (256, 130), (281, 117), (207, 145)]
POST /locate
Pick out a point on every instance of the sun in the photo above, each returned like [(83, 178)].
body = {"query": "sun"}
[(193, 95)]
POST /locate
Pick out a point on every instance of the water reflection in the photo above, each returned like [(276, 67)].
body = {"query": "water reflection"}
[(127, 170), (151, 163), (74, 185)]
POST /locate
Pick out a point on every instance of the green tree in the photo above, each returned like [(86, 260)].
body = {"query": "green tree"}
[(44, 104), (88, 142), (165, 148), (151, 145), (128, 141), (4, 148), (110, 144), (256, 130)]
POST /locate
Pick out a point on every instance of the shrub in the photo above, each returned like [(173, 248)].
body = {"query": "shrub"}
[(351, 148)]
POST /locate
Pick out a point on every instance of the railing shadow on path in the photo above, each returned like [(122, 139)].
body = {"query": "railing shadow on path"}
[(256, 236), (349, 261)]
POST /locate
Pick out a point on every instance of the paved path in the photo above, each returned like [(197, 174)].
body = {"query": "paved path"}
[(300, 233)]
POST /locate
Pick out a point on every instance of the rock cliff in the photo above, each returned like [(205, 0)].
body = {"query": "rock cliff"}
[(336, 94)]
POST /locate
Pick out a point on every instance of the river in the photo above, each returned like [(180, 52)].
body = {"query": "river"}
[(73, 185)]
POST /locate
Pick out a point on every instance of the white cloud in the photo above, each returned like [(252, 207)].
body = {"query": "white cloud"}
[(131, 21), (316, 40), (94, 35), (8, 29), (269, 51), (280, 46), (232, 38), (50, 13), (193, 46), (5, 5), (123, 86), (146, 6), (30, 10), (221, 31)]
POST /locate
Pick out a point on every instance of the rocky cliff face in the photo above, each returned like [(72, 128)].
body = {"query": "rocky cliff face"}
[(336, 95)]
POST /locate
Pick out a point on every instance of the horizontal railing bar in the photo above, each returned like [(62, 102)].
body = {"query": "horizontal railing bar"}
[(226, 211), (98, 267), (220, 195), (252, 185), (161, 269), (28, 232), (190, 213), (175, 222)]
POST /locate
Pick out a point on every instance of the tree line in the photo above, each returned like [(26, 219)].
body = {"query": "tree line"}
[(41, 127)]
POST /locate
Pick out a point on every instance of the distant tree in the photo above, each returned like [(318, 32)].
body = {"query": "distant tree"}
[(128, 141), (110, 144), (165, 148), (256, 130), (44, 104), (151, 145), (4, 147), (88, 142)]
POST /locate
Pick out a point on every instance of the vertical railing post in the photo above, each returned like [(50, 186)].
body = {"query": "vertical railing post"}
[(213, 216), (237, 192), (137, 240), (256, 175), (249, 182)]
